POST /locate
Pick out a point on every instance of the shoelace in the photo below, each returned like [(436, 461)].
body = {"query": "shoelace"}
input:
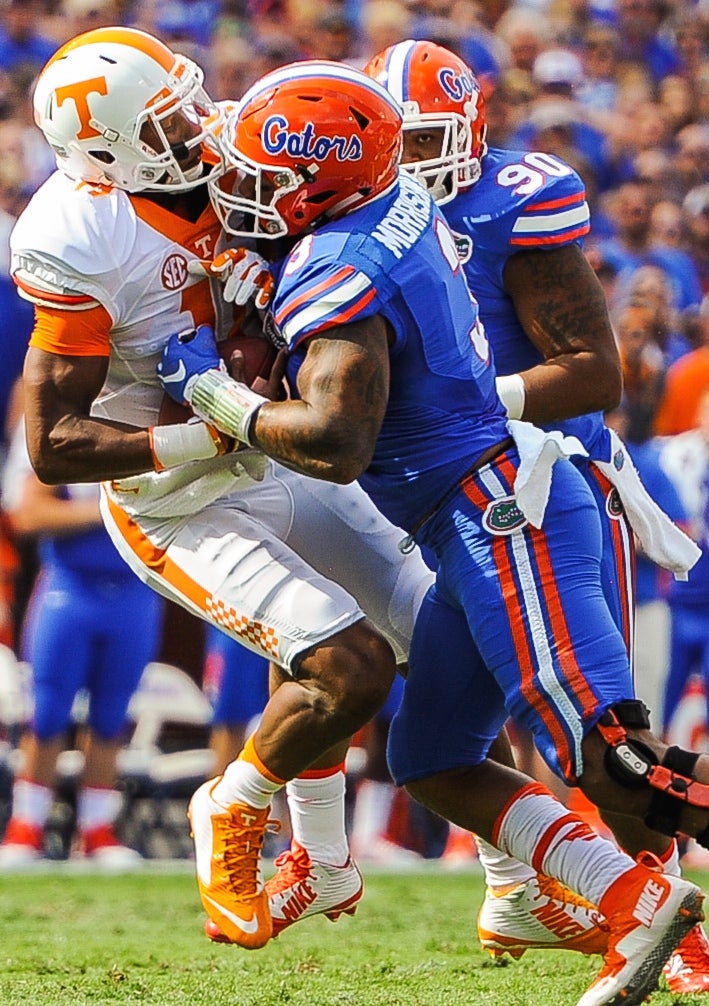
[(242, 854), (556, 891), (650, 861), (294, 865)]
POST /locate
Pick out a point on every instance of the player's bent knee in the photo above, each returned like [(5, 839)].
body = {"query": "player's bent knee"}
[(354, 672), (635, 765)]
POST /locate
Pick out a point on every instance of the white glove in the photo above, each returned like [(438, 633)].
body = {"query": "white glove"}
[(244, 273)]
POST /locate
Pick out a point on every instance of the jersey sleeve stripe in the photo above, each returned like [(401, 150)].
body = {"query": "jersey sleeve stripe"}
[(565, 237), (337, 307), (552, 204), (552, 221), (66, 300), (312, 292)]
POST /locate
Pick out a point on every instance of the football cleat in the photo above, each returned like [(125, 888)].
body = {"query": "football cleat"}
[(687, 970), (301, 888), (648, 914), (228, 843), (540, 914), (101, 845), (23, 843)]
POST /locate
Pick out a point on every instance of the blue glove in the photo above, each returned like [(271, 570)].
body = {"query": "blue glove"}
[(185, 356)]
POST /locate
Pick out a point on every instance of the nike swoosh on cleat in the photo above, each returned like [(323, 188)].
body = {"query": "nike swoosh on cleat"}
[(179, 375), (245, 926)]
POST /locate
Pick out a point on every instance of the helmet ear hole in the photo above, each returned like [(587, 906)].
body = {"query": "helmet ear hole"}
[(104, 156)]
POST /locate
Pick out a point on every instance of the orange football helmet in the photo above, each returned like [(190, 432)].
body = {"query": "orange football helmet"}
[(105, 93), (437, 91), (310, 141)]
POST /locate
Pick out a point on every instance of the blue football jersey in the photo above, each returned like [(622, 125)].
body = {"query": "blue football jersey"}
[(396, 257), (522, 200)]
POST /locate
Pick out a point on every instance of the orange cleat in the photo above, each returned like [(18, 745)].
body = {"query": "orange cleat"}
[(648, 914), (687, 970), (228, 843)]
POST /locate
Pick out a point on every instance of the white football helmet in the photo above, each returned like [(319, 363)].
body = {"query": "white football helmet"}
[(104, 92)]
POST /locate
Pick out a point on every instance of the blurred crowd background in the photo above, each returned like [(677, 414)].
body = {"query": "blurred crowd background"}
[(617, 88)]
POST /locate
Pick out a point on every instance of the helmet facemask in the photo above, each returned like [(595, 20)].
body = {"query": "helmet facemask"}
[(246, 200), (454, 167)]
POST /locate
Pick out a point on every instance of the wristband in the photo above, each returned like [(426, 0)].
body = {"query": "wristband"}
[(227, 403), (511, 391), (176, 445)]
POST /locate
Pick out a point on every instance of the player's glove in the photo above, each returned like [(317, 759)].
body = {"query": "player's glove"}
[(192, 371), (186, 356), (244, 273)]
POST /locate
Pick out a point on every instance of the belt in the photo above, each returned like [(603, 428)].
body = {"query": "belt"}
[(497, 450)]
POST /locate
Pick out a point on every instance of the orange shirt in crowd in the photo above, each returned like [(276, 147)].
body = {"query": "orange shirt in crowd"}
[(686, 380)]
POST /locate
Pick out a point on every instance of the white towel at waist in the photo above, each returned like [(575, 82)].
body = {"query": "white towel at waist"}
[(660, 538), (538, 453)]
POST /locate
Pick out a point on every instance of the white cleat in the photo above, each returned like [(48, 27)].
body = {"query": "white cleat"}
[(302, 888), (540, 914)]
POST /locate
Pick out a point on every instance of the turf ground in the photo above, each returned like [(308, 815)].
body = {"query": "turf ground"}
[(75, 939)]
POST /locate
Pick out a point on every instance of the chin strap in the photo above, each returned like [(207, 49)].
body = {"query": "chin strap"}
[(634, 765)]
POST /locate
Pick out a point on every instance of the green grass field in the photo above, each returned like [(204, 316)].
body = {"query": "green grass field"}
[(74, 939)]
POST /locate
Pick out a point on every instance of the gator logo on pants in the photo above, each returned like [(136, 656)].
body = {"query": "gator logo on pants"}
[(503, 516)]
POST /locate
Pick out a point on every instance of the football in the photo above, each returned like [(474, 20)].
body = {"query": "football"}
[(258, 356)]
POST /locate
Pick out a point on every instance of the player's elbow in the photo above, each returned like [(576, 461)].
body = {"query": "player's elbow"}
[(610, 387), (48, 474), (348, 461), (346, 468), (49, 467)]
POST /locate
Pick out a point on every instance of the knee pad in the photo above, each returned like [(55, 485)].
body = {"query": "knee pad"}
[(633, 764)]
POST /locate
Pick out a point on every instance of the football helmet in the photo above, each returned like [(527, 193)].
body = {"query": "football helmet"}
[(436, 91), (118, 107), (310, 141)]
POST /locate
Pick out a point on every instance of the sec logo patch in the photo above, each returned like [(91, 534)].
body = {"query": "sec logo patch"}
[(174, 272)]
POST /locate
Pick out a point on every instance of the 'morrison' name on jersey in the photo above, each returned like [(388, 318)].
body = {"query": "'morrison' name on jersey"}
[(404, 223)]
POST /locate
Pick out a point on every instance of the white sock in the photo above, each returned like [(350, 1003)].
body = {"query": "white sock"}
[(500, 869), (536, 828), (31, 802), (670, 860), (317, 814), (247, 780), (97, 806), (372, 806)]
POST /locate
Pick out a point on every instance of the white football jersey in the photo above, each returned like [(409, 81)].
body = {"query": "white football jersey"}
[(78, 245)]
